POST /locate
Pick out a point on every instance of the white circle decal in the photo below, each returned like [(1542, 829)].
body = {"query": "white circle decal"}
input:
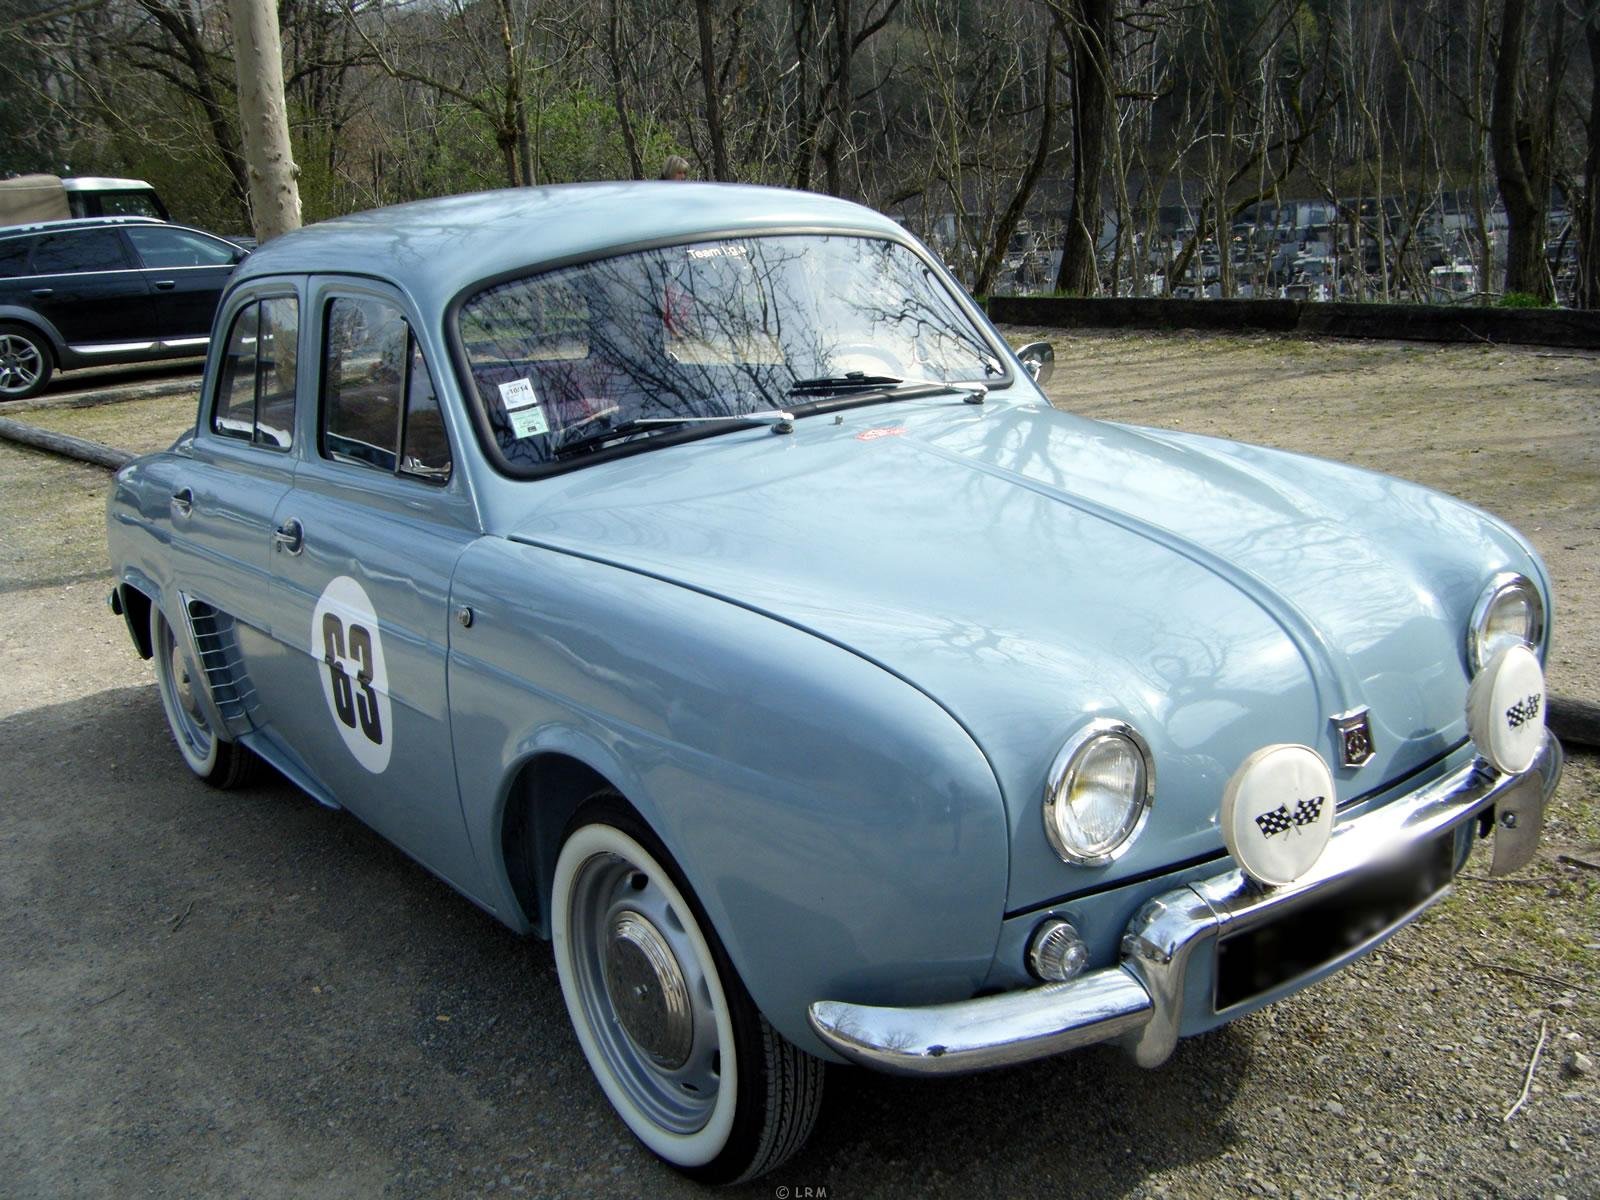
[(355, 681), (1505, 709), (1277, 813)]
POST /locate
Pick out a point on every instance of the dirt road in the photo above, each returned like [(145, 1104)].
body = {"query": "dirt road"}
[(248, 995)]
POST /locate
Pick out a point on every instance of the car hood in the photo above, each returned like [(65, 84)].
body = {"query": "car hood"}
[(1030, 570)]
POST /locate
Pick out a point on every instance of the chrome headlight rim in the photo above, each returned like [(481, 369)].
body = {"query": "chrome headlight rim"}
[(1065, 765), (1505, 584)]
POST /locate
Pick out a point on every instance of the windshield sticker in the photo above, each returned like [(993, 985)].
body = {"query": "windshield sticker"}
[(872, 435), (355, 681), (523, 408)]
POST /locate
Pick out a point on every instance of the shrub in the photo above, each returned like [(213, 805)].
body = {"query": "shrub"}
[(1522, 300)]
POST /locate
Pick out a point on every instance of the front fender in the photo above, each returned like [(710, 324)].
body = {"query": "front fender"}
[(843, 832)]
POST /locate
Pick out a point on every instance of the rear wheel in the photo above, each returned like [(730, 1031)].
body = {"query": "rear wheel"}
[(219, 761), (675, 1041), (25, 362)]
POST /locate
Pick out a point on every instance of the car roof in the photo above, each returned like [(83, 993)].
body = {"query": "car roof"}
[(101, 183), (435, 248), (78, 223)]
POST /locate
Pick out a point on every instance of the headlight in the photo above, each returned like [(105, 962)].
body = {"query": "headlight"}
[(1098, 794), (1509, 613)]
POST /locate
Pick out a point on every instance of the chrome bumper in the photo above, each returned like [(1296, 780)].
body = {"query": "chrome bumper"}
[(1140, 1001)]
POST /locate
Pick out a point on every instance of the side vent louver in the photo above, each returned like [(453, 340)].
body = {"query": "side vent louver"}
[(219, 657)]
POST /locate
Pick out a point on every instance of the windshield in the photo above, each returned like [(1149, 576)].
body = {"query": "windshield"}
[(577, 358)]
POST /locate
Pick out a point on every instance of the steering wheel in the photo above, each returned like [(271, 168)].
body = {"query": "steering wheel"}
[(864, 357)]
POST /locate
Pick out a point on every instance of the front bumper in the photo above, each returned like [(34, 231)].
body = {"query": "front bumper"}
[(1141, 1000)]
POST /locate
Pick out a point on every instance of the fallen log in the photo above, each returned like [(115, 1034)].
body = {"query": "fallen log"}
[(79, 448)]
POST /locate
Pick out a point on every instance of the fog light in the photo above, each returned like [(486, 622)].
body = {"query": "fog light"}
[(1056, 953)]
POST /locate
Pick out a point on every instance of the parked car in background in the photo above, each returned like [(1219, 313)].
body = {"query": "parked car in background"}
[(101, 290), (691, 575), (30, 198)]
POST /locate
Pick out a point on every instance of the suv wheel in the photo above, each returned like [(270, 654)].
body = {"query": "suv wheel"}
[(25, 362)]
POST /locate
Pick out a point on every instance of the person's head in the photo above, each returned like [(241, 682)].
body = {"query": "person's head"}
[(677, 167)]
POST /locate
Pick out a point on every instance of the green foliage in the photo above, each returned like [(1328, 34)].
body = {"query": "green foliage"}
[(1523, 300), (577, 136), (192, 181)]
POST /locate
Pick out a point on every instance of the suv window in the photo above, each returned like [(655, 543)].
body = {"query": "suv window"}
[(79, 250), (378, 405), (122, 204), (14, 256), (255, 399), (160, 247)]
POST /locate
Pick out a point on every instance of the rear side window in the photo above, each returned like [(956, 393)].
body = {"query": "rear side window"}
[(81, 250), (379, 409), (126, 204), (14, 257), (160, 247), (256, 395)]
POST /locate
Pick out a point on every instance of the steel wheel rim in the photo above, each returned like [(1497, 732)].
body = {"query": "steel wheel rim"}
[(178, 696), (607, 892), (21, 364)]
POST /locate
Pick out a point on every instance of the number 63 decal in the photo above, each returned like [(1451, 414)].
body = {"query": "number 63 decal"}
[(347, 643), (345, 704)]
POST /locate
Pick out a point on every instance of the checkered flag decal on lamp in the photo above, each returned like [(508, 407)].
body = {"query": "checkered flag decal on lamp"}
[(1275, 822), (1308, 811), (1281, 820)]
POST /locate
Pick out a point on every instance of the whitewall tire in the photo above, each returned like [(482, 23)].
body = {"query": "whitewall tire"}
[(674, 1040)]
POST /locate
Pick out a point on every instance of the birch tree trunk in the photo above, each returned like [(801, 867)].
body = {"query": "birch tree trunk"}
[(264, 120)]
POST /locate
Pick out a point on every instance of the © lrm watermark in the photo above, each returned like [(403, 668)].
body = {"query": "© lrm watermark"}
[(803, 1191)]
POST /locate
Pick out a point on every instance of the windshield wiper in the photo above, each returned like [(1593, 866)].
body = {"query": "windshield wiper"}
[(781, 422), (775, 417), (850, 381)]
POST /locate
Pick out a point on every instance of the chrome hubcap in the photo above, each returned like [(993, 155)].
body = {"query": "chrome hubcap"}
[(182, 686), (648, 991), (644, 993)]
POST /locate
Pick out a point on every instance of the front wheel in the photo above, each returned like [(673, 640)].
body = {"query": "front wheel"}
[(221, 762), (673, 1038)]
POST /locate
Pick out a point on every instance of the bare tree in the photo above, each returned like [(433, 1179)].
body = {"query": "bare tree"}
[(1588, 206), (1522, 134), (1089, 28)]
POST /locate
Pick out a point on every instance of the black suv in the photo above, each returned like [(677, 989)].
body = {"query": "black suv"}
[(100, 290)]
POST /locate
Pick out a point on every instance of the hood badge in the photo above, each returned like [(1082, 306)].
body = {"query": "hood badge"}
[(1354, 731)]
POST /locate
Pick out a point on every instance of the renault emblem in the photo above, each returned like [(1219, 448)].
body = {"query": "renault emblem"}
[(1354, 731)]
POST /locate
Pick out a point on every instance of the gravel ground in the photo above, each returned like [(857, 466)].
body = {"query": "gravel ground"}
[(245, 994)]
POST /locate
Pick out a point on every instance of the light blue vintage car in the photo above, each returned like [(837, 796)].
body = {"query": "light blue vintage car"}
[(691, 575)]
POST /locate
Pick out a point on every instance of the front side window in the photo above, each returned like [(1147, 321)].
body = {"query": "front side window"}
[(161, 247), (379, 409), (80, 250), (620, 347), (256, 393)]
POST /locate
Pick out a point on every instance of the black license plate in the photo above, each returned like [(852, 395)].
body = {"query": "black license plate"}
[(1302, 941)]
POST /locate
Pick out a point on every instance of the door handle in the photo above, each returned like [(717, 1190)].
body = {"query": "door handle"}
[(165, 285), (289, 536), (42, 292), (182, 502)]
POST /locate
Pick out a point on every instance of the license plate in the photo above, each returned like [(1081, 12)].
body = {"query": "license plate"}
[(1312, 936)]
